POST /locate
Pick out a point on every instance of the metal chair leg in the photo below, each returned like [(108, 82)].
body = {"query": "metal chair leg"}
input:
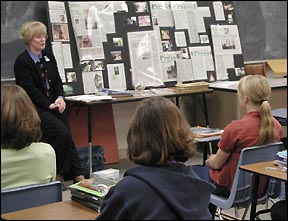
[(245, 213)]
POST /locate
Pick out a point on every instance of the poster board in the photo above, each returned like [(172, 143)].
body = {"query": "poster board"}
[(158, 43)]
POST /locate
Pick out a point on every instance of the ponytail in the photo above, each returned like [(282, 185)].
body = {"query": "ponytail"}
[(266, 132)]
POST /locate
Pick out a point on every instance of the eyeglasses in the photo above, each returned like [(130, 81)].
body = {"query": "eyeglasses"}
[(40, 37)]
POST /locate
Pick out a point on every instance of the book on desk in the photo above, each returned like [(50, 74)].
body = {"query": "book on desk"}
[(201, 132), (115, 93), (91, 192), (281, 160)]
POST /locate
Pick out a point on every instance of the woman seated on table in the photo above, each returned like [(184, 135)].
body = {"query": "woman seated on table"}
[(162, 186), (24, 160), (257, 127)]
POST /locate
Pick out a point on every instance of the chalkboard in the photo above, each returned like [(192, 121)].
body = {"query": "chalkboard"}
[(13, 15), (262, 28)]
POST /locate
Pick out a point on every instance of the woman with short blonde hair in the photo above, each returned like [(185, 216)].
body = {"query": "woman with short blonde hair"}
[(30, 29), (37, 73)]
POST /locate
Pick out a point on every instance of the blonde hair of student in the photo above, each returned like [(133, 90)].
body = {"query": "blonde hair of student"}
[(257, 89), (32, 28), (159, 133), (20, 123)]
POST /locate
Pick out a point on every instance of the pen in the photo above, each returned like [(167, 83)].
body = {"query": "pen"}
[(276, 169)]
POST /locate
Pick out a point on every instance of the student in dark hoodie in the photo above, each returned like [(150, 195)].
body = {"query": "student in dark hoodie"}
[(162, 186)]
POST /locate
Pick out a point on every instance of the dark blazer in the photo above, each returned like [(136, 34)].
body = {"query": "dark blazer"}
[(28, 76)]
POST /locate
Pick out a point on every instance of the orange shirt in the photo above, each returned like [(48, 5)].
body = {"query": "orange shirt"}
[(236, 136)]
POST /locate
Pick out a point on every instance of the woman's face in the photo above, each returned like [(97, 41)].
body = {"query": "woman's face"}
[(38, 42)]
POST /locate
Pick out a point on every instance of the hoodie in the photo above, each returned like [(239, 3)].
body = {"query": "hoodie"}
[(171, 192)]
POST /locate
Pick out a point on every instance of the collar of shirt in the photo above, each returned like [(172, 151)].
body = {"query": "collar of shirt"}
[(34, 57)]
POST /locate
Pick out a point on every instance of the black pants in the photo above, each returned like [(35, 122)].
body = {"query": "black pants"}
[(56, 131)]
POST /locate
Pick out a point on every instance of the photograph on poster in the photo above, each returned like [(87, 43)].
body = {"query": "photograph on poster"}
[(116, 70), (166, 46), (99, 65), (226, 30), (204, 39), (228, 7), (228, 44), (77, 21), (60, 32), (118, 42), (116, 55), (140, 7), (68, 90), (145, 55), (92, 81), (211, 76), (171, 71), (71, 77), (240, 71), (130, 21), (98, 80), (144, 21), (87, 66), (62, 18), (84, 41), (155, 21), (91, 65), (165, 34), (184, 53)]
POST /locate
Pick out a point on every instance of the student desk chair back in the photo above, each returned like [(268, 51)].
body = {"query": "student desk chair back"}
[(240, 195), (30, 196)]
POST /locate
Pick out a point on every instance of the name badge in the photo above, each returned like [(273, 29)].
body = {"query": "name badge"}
[(46, 58)]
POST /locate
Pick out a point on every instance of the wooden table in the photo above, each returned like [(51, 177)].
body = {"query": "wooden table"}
[(260, 169), (65, 210), (278, 66)]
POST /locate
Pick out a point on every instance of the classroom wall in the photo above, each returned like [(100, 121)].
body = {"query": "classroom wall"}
[(262, 29), (13, 15)]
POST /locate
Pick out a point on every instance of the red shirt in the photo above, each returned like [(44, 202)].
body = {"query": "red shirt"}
[(236, 136)]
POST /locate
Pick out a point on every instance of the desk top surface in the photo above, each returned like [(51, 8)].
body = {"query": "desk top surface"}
[(165, 92), (278, 66), (65, 210), (260, 168), (232, 85)]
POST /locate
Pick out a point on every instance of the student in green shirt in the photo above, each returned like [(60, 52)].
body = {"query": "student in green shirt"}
[(24, 160)]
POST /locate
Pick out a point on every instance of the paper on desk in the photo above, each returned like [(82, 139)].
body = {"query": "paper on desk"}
[(89, 97), (201, 132)]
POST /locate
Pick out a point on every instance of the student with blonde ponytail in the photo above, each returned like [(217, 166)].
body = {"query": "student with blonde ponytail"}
[(257, 90), (257, 127)]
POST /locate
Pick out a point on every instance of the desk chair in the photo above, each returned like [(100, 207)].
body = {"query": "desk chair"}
[(240, 195), (255, 69), (30, 196)]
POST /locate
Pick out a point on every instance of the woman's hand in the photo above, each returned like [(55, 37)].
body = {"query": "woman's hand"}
[(60, 104)]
